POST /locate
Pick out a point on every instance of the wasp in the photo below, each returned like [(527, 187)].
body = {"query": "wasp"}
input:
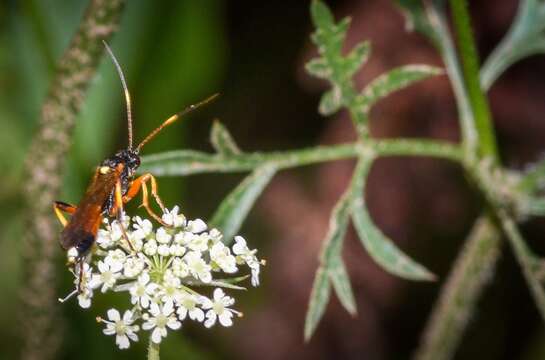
[(112, 186)]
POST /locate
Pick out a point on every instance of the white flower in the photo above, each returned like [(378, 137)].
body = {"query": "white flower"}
[(115, 259), (84, 298), (218, 309), (170, 288), (187, 304), (122, 328), (82, 283), (162, 236), (215, 235), (179, 268), (254, 268), (161, 318), (198, 267), (133, 266), (177, 250), (115, 231), (142, 291), (150, 247), (163, 250), (196, 226), (197, 242), (159, 271), (221, 255), (72, 255), (143, 228), (104, 239), (173, 218), (248, 256), (107, 277)]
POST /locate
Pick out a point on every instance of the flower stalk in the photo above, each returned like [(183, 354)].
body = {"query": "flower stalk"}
[(154, 351)]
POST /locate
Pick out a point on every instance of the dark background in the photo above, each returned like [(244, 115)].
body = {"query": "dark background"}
[(178, 52)]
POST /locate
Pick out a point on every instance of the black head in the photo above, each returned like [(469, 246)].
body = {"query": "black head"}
[(129, 158)]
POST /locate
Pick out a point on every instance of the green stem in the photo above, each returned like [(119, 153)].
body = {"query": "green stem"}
[(448, 53), (470, 64), (192, 162), (153, 350), (458, 298), (526, 259), (41, 320)]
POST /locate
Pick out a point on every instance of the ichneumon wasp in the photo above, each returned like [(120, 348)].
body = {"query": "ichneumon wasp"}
[(112, 185)]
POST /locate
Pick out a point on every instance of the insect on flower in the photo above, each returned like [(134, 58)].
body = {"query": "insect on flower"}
[(112, 185)]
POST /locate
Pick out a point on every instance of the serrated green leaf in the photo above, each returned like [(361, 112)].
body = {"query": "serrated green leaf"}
[(416, 18), (319, 297), (235, 207), (382, 249), (341, 283), (330, 102), (356, 58), (391, 81), (319, 68), (222, 141), (321, 15), (331, 263), (526, 37)]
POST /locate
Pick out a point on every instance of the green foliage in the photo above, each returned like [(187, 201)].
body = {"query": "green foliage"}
[(339, 69), (382, 249), (235, 207), (477, 155), (525, 37), (222, 141)]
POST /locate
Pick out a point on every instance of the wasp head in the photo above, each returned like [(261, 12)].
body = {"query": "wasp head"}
[(129, 158)]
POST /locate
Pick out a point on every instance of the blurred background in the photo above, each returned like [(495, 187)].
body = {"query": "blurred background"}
[(178, 52)]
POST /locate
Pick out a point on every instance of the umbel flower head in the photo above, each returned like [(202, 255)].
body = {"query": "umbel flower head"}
[(162, 271)]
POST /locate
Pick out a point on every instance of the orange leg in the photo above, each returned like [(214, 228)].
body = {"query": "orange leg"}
[(140, 183), (118, 212), (61, 207)]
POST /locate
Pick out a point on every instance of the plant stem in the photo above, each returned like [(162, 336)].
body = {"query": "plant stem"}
[(193, 162), (526, 259), (153, 351), (470, 64), (40, 318), (458, 298), (448, 52)]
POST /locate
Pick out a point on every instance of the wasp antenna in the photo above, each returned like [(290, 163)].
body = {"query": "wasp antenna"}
[(175, 117), (125, 90)]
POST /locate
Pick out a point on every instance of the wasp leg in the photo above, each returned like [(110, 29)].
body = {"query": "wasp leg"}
[(118, 211), (140, 183), (61, 207)]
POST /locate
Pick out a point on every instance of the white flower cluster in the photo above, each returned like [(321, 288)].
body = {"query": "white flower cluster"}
[(159, 269)]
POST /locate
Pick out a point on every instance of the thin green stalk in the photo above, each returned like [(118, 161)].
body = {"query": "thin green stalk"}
[(446, 47), (458, 298), (192, 162), (153, 350), (526, 259), (470, 65)]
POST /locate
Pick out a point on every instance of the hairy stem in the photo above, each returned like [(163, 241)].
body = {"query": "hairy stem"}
[(446, 47), (192, 162), (526, 259), (470, 64), (458, 298), (153, 351), (40, 318)]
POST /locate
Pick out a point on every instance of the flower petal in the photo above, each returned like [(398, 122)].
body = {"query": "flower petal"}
[(113, 315)]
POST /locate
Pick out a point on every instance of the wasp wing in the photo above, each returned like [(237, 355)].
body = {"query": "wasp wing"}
[(81, 230)]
